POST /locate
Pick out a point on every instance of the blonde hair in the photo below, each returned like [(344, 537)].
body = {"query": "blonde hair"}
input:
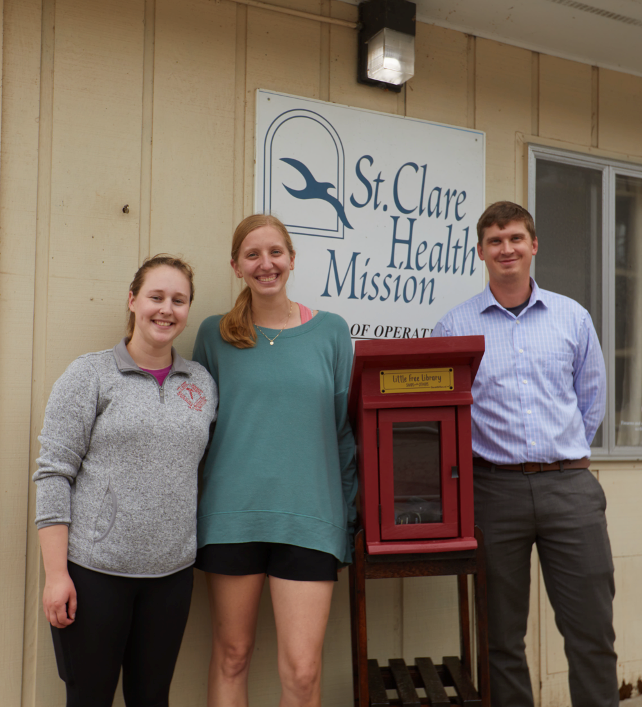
[(139, 278), (236, 326)]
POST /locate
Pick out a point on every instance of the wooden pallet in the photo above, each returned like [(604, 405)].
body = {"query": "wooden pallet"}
[(405, 679)]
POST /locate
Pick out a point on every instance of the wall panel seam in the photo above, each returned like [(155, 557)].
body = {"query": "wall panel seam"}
[(240, 128), (1, 61), (471, 51), (595, 106), (535, 93), (324, 59), (39, 353), (147, 132)]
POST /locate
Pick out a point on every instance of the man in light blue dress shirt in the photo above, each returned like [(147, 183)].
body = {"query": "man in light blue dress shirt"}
[(539, 398)]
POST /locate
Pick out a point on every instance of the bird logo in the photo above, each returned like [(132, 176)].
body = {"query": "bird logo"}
[(315, 190)]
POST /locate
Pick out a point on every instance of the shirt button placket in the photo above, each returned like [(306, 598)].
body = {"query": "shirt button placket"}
[(522, 374)]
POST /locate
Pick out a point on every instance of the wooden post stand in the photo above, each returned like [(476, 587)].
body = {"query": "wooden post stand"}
[(371, 681)]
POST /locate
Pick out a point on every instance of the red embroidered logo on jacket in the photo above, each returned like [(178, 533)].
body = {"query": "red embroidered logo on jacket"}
[(192, 395)]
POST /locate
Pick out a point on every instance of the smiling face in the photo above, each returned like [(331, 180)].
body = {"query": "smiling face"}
[(160, 307), (507, 253), (264, 262)]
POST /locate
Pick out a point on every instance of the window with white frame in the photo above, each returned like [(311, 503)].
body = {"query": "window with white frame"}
[(588, 217)]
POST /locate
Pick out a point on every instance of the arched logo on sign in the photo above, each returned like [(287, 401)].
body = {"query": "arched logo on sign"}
[(304, 174)]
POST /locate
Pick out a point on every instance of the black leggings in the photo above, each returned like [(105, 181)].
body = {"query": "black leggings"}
[(122, 621)]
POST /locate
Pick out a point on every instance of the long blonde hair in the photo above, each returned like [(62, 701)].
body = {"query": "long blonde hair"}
[(236, 326)]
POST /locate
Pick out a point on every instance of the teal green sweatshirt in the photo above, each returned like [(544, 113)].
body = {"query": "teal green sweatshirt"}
[(281, 464)]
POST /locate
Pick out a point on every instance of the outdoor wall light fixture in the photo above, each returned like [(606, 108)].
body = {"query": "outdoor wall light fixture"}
[(386, 43)]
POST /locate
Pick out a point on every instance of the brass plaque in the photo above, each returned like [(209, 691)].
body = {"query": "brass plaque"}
[(419, 380)]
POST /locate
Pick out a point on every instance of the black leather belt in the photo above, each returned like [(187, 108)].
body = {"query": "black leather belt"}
[(535, 467)]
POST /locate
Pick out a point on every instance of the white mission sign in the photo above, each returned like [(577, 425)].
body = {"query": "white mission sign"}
[(382, 211)]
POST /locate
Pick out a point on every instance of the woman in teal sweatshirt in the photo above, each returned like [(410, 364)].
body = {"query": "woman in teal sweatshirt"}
[(278, 495)]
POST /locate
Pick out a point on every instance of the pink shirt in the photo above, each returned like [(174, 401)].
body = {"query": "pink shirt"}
[(160, 374), (306, 314)]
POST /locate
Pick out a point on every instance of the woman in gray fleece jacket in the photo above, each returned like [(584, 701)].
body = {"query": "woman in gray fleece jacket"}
[(124, 432)]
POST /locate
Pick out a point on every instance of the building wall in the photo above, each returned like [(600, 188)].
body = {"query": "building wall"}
[(150, 104)]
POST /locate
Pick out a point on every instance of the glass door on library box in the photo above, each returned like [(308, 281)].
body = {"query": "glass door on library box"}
[(418, 473)]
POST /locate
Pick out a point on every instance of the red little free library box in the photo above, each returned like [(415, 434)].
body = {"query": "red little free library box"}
[(409, 404)]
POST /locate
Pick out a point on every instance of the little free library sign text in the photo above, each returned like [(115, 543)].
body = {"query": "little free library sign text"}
[(419, 380)]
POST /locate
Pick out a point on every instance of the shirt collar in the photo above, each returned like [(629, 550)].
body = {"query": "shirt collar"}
[(487, 299), (126, 363)]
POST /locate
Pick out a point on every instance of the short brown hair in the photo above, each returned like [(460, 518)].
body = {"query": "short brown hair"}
[(156, 261), (236, 326), (501, 213)]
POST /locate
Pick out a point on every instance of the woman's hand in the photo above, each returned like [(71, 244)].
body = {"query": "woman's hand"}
[(59, 599)]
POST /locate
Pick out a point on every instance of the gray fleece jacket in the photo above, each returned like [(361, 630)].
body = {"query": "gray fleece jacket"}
[(118, 462)]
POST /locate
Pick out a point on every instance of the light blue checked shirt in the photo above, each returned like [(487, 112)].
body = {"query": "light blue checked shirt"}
[(540, 392)]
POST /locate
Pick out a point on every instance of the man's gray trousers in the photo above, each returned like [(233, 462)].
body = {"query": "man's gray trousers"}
[(563, 514)]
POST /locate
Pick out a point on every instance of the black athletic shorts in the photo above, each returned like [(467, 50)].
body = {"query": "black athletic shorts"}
[(274, 559)]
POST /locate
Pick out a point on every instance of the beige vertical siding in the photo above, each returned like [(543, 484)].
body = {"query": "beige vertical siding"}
[(439, 89), (623, 485), (620, 113), (565, 100), (18, 195), (151, 103), (193, 157), (503, 107)]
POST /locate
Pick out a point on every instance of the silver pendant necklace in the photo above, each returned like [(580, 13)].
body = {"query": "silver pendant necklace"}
[(280, 332)]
